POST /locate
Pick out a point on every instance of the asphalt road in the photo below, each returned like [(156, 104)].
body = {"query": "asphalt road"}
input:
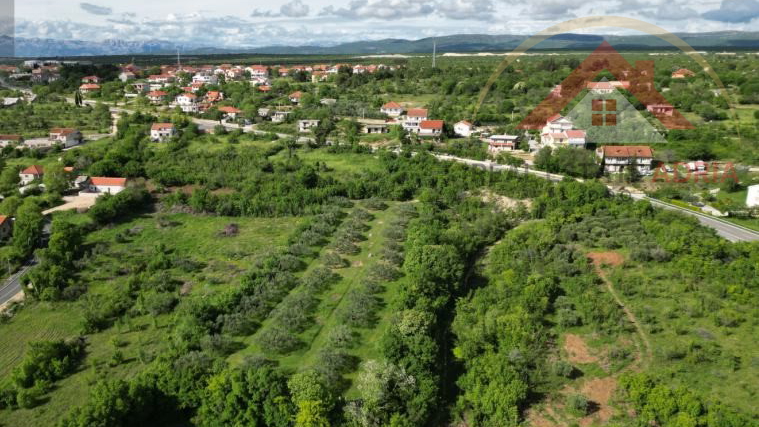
[(12, 285), (727, 230)]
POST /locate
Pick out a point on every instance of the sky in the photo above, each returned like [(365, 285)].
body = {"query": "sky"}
[(256, 23)]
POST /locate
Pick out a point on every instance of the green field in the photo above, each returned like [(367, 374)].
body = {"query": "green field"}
[(325, 319), (194, 237)]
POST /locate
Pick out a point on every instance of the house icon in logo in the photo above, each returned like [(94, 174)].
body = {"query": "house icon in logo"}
[(638, 80)]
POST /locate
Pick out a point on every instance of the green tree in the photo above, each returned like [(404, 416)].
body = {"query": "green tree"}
[(27, 229), (56, 179)]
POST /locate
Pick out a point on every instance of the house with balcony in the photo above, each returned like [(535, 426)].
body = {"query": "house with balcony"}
[(67, 137), (159, 132), (414, 118), (306, 125), (188, 102), (392, 109), (619, 158), (431, 128), (498, 144)]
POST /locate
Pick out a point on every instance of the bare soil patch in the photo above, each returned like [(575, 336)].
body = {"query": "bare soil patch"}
[(599, 391), (611, 259), (503, 202), (577, 350)]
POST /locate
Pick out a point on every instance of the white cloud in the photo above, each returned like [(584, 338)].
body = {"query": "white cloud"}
[(382, 9), (294, 9), (467, 9)]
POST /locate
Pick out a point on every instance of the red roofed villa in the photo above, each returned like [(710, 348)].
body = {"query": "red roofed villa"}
[(618, 158), (31, 173), (392, 109), (104, 185)]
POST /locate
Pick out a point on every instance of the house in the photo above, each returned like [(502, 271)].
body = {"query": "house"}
[(6, 227), (555, 133), (214, 96), (88, 88), (618, 158), (162, 131), (500, 143), (414, 118), (32, 173), (279, 116), (161, 79), (66, 136), (260, 71), (319, 76), (600, 88), (431, 128), (6, 140), (157, 96), (103, 185), (141, 87), (328, 101), (576, 138), (683, 73), (307, 125), (373, 128), (264, 112), (661, 109), (205, 79), (230, 112), (392, 109), (295, 97), (188, 102), (91, 79), (264, 88), (126, 76), (463, 128)]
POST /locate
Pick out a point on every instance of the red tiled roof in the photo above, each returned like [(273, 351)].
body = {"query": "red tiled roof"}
[(10, 137), (432, 124), (227, 109), (392, 106), (33, 170), (162, 126), (417, 112), (297, 94), (628, 151), (3, 219), (62, 131), (109, 182), (554, 118), (558, 135), (157, 93), (575, 133), (600, 85), (89, 86)]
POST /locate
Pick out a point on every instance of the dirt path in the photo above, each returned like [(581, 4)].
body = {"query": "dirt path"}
[(613, 259)]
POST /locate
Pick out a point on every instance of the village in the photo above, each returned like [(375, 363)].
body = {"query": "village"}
[(198, 93)]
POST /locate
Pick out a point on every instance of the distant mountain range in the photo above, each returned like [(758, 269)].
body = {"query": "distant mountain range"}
[(452, 43)]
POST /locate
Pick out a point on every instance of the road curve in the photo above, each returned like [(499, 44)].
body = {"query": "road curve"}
[(725, 229)]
